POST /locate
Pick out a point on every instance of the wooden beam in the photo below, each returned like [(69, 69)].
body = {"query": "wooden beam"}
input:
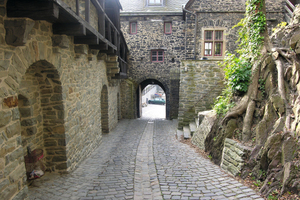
[(101, 23), (101, 47), (69, 29), (87, 10), (108, 33), (77, 7), (36, 10), (109, 51), (92, 40)]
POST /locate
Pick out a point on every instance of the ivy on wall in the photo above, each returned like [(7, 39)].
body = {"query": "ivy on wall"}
[(238, 67)]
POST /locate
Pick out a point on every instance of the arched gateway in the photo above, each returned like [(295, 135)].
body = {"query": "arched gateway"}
[(142, 86)]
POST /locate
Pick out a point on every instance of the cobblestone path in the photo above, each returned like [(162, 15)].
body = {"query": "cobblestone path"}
[(141, 159)]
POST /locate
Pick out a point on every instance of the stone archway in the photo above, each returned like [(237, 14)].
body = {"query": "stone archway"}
[(42, 116), (141, 87), (104, 110)]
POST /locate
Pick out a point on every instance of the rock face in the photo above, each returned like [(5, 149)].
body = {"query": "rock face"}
[(206, 121)]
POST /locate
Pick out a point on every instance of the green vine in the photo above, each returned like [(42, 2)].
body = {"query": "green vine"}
[(251, 29), (238, 68)]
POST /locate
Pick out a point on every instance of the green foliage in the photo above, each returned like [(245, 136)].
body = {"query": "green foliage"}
[(258, 183), (223, 103), (237, 72), (262, 84), (279, 27), (251, 29), (238, 68)]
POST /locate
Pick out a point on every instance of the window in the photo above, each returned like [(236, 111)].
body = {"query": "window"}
[(157, 56), (133, 27), (213, 43), (155, 2), (168, 27)]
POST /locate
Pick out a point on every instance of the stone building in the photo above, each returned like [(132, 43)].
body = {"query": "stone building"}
[(209, 34), (177, 45), (61, 62), (155, 34)]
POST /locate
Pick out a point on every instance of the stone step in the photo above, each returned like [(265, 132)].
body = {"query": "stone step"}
[(179, 134), (186, 132), (193, 127)]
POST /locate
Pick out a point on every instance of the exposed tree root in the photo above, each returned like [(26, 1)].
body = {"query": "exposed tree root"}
[(248, 121)]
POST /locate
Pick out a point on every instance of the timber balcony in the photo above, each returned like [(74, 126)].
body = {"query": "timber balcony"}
[(289, 9), (92, 22)]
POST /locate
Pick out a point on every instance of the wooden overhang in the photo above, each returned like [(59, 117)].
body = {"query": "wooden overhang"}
[(109, 39)]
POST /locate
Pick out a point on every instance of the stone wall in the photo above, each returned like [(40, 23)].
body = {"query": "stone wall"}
[(234, 156), (223, 15), (150, 35), (128, 107), (50, 91), (232, 6), (201, 81)]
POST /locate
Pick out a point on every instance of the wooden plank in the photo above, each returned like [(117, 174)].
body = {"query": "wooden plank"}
[(77, 7), (87, 10), (36, 10), (69, 29), (108, 35), (290, 5), (288, 11), (109, 51), (101, 23), (92, 40), (101, 47)]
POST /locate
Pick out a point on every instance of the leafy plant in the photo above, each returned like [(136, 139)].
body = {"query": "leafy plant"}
[(223, 103), (262, 84), (279, 27), (258, 183), (237, 72), (238, 68)]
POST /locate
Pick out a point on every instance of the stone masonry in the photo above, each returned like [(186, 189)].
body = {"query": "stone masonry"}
[(200, 82), (234, 156), (50, 99), (150, 36), (222, 14)]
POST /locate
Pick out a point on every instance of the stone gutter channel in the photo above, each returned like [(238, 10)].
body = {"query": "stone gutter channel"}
[(146, 185)]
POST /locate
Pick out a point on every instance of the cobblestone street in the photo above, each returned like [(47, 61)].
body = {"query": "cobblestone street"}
[(141, 159)]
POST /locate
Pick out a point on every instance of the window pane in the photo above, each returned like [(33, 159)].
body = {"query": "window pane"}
[(154, 56), (160, 55), (167, 27), (154, 2), (133, 27), (208, 35), (208, 49), (218, 35), (218, 49)]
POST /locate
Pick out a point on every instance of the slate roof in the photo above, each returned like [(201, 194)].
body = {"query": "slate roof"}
[(139, 6)]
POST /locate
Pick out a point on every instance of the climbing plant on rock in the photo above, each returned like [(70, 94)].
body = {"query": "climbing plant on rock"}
[(238, 68), (273, 96)]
